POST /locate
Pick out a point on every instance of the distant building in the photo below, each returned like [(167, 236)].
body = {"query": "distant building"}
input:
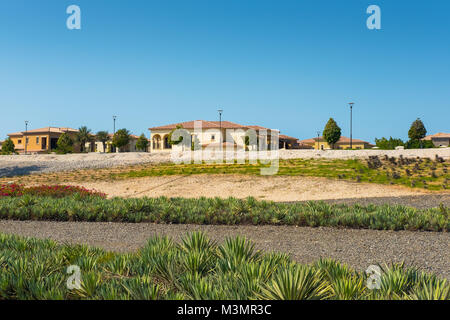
[(343, 143), (224, 134), (287, 142), (39, 140), (439, 139), (97, 146)]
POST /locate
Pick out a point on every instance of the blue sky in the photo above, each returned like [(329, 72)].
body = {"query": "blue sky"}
[(288, 65)]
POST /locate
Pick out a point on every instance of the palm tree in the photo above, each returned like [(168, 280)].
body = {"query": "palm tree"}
[(103, 137), (83, 136)]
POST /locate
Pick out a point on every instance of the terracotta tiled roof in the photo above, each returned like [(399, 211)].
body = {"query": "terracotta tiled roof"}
[(131, 135), (204, 124), (283, 136), (437, 135), (341, 140), (217, 144), (45, 130)]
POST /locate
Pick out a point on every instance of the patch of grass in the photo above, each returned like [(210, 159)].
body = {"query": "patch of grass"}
[(421, 173), (415, 173), (229, 211), (195, 268)]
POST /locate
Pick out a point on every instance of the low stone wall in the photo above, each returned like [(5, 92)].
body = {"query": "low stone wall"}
[(112, 159), (365, 153)]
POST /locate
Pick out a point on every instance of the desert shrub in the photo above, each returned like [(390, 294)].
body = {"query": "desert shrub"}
[(194, 269), (229, 211), (54, 191)]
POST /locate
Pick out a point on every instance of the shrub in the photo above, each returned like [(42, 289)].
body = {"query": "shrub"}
[(142, 143), (8, 147), (229, 211), (55, 191), (64, 144), (390, 144), (417, 144), (177, 141), (121, 138)]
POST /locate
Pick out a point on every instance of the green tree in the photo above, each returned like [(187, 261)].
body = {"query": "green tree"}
[(416, 133), (332, 132), (195, 143), (64, 144), (142, 143), (121, 138), (417, 130), (417, 144), (83, 136), (390, 144), (169, 138), (103, 137), (8, 147)]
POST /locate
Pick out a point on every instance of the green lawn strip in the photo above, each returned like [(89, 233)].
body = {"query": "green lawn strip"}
[(195, 268), (229, 211), (352, 170)]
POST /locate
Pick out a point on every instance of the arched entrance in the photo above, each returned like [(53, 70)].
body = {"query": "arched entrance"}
[(156, 142), (167, 145)]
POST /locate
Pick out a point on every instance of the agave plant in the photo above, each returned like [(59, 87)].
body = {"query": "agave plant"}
[(297, 283), (195, 268)]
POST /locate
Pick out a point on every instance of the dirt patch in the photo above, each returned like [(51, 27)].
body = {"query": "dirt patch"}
[(274, 188)]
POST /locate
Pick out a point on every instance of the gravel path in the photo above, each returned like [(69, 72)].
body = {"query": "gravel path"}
[(46, 163), (359, 248), (425, 201)]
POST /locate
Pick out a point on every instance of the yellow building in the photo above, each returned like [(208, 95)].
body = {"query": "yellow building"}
[(39, 140), (343, 143)]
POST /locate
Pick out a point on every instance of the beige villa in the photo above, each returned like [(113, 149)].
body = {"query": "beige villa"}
[(343, 143), (97, 146), (225, 134)]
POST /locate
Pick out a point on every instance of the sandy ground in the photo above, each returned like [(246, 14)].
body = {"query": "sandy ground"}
[(428, 251), (274, 188)]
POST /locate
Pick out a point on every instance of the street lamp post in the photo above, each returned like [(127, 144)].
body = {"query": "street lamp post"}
[(318, 139), (220, 124), (351, 116), (26, 135), (114, 132)]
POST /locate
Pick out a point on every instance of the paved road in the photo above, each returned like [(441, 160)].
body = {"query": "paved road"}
[(359, 248)]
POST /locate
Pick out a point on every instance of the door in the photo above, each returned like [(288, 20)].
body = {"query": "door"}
[(44, 143)]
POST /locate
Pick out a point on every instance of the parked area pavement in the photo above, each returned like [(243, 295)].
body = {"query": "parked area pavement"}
[(357, 247)]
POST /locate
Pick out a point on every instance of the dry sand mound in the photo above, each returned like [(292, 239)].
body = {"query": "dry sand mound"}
[(274, 188)]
